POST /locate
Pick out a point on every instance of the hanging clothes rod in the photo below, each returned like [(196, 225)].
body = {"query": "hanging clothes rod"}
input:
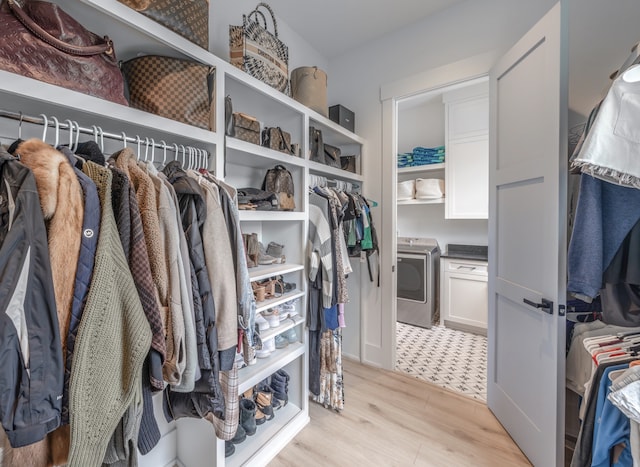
[(95, 131)]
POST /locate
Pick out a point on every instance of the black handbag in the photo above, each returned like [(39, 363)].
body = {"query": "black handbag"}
[(332, 156), (316, 147)]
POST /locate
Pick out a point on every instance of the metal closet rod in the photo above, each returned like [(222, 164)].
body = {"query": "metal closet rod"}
[(96, 131)]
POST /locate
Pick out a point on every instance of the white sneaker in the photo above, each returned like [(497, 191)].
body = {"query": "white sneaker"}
[(262, 323), (272, 316), (289, 309), (268, 347)]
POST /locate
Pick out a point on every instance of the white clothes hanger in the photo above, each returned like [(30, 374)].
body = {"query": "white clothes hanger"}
[(57, 131), (46, 125)]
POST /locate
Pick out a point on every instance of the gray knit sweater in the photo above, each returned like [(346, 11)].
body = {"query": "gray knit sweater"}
[(113, 340)]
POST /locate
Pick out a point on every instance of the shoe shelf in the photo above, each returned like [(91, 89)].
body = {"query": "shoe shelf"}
[(270, 437), (269, 270), (262, 216), (284, 326), (264, 367), (241, 152), (271, 302)]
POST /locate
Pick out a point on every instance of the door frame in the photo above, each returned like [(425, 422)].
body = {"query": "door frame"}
[(462, 72)]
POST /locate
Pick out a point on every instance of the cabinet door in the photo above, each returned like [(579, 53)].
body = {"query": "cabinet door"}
[(467, 178), (466, 299), (468, 118)]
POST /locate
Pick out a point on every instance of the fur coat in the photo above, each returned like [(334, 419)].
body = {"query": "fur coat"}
[(61, 200)]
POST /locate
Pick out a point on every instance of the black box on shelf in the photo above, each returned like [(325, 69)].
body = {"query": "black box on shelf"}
[(343, 117)]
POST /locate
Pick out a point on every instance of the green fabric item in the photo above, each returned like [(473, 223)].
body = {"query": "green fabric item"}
[(113, 340)]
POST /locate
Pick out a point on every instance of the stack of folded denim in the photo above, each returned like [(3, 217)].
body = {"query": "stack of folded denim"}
[(405, 160), (425, 156)]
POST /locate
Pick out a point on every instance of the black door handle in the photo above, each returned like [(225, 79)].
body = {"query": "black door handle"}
[(546, 305)]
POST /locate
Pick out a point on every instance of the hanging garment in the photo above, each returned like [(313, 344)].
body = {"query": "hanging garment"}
[(86, 259), (319, 252), (207, 395), (246, 299), (180, 276), (114, 324), (125, 160), (331, 384), (174, 324), (219, 261), (604, 216), (127, 216), (621, 292), (129, 224), (29, 319), (61, 199), (610, 149), (62, 206)]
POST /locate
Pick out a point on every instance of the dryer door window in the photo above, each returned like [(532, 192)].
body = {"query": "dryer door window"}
[(412, 277)]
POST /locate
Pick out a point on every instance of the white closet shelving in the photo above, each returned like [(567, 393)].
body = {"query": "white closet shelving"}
[(192, 442)]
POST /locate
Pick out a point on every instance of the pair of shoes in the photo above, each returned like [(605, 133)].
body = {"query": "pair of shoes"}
[(255, 407), (272, 316), (261, 322), (281, 341), (240, 435), (229, 448), (288, 310), (280, 387), (275, 251), (248, 415), (268, 347), (263, 397), (290, 335), (263, 256), (251, 249)]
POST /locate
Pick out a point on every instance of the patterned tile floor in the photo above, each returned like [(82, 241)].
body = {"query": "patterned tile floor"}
[(448, 358)]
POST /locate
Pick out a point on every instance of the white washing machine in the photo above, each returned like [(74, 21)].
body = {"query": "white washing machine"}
[(417, 280)]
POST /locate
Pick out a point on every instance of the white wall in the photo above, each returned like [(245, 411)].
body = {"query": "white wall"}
[(465, 30), (421, 125), (224, 13), (427, 220)]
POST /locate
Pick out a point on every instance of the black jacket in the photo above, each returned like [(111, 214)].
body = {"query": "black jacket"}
[(30, 349), (207, 395)]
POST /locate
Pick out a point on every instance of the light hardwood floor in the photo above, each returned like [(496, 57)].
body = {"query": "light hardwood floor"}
[(394, 420)]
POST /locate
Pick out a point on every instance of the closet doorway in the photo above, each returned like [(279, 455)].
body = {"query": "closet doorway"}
[(440, 226)]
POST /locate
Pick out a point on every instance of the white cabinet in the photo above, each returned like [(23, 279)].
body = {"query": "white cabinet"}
[(192, 442), (463, 294), (467, 149)]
